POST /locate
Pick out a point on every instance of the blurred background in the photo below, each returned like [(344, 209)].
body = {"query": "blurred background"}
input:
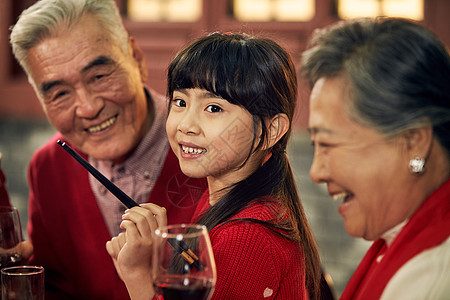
[(161, 28)]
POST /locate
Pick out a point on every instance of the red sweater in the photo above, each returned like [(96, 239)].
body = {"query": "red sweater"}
[(67, 229), (252, 261)]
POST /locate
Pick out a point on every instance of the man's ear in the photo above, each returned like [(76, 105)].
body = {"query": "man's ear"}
[(139, 56), (418, 141), (276, 129)]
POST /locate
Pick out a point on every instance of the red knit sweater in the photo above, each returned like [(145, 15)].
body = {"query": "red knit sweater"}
[(252, 261)]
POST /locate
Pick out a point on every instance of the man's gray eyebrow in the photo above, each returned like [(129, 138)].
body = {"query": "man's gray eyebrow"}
[(46, 86), (98, 61)]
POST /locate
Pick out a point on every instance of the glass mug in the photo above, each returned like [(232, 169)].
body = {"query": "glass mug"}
[(23, 283)]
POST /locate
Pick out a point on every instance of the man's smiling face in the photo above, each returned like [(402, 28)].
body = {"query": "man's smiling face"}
[(91, 91)]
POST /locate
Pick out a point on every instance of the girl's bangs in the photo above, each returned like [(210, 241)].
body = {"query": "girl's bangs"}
[(217, 69)]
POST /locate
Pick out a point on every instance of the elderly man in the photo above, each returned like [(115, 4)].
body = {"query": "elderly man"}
[(89, 77)]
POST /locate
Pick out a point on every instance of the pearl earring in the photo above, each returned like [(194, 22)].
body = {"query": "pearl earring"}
[(417, 165)]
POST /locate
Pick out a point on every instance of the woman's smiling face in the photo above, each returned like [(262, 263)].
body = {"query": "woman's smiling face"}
[(359, 165)]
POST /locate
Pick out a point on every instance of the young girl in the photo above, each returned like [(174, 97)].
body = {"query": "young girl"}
[(232, 100)]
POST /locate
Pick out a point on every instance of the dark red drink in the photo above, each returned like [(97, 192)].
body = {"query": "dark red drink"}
[(176, 287)]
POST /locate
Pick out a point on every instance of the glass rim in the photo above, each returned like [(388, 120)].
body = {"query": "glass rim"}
[(166, 231), (7, 209), (32, 270)]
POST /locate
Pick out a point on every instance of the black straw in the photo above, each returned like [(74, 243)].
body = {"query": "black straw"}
[(124, 198), (180, 247)]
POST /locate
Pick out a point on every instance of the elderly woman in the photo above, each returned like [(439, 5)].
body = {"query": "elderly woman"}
[(380, 124)]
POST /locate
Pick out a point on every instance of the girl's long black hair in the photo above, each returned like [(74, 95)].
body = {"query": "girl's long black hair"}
[(258, 75)]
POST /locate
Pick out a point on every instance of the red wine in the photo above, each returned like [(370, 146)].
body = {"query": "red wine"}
[(177, 287)]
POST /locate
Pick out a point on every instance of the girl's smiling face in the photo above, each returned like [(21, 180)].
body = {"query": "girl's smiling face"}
[(211, 137), (359, 165)]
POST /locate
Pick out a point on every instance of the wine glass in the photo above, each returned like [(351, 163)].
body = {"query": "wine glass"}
[(183, 263), (10, 236)]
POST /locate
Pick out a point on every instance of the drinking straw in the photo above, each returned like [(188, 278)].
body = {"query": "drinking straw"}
[(124, 198), (180, 247)]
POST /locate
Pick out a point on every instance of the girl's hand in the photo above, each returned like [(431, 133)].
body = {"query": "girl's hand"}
[(131, 250)]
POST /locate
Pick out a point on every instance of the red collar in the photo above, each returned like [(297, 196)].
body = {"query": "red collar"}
[(427, 228)]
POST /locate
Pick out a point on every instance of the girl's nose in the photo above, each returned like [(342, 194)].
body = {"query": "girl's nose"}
[(189, 124)]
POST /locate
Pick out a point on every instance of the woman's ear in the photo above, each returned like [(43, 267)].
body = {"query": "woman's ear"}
[(139, 57), (276, 129), (418, 141)]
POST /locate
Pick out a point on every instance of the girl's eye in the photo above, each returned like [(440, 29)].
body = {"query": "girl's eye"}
[(179, 102), (213, 108)]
